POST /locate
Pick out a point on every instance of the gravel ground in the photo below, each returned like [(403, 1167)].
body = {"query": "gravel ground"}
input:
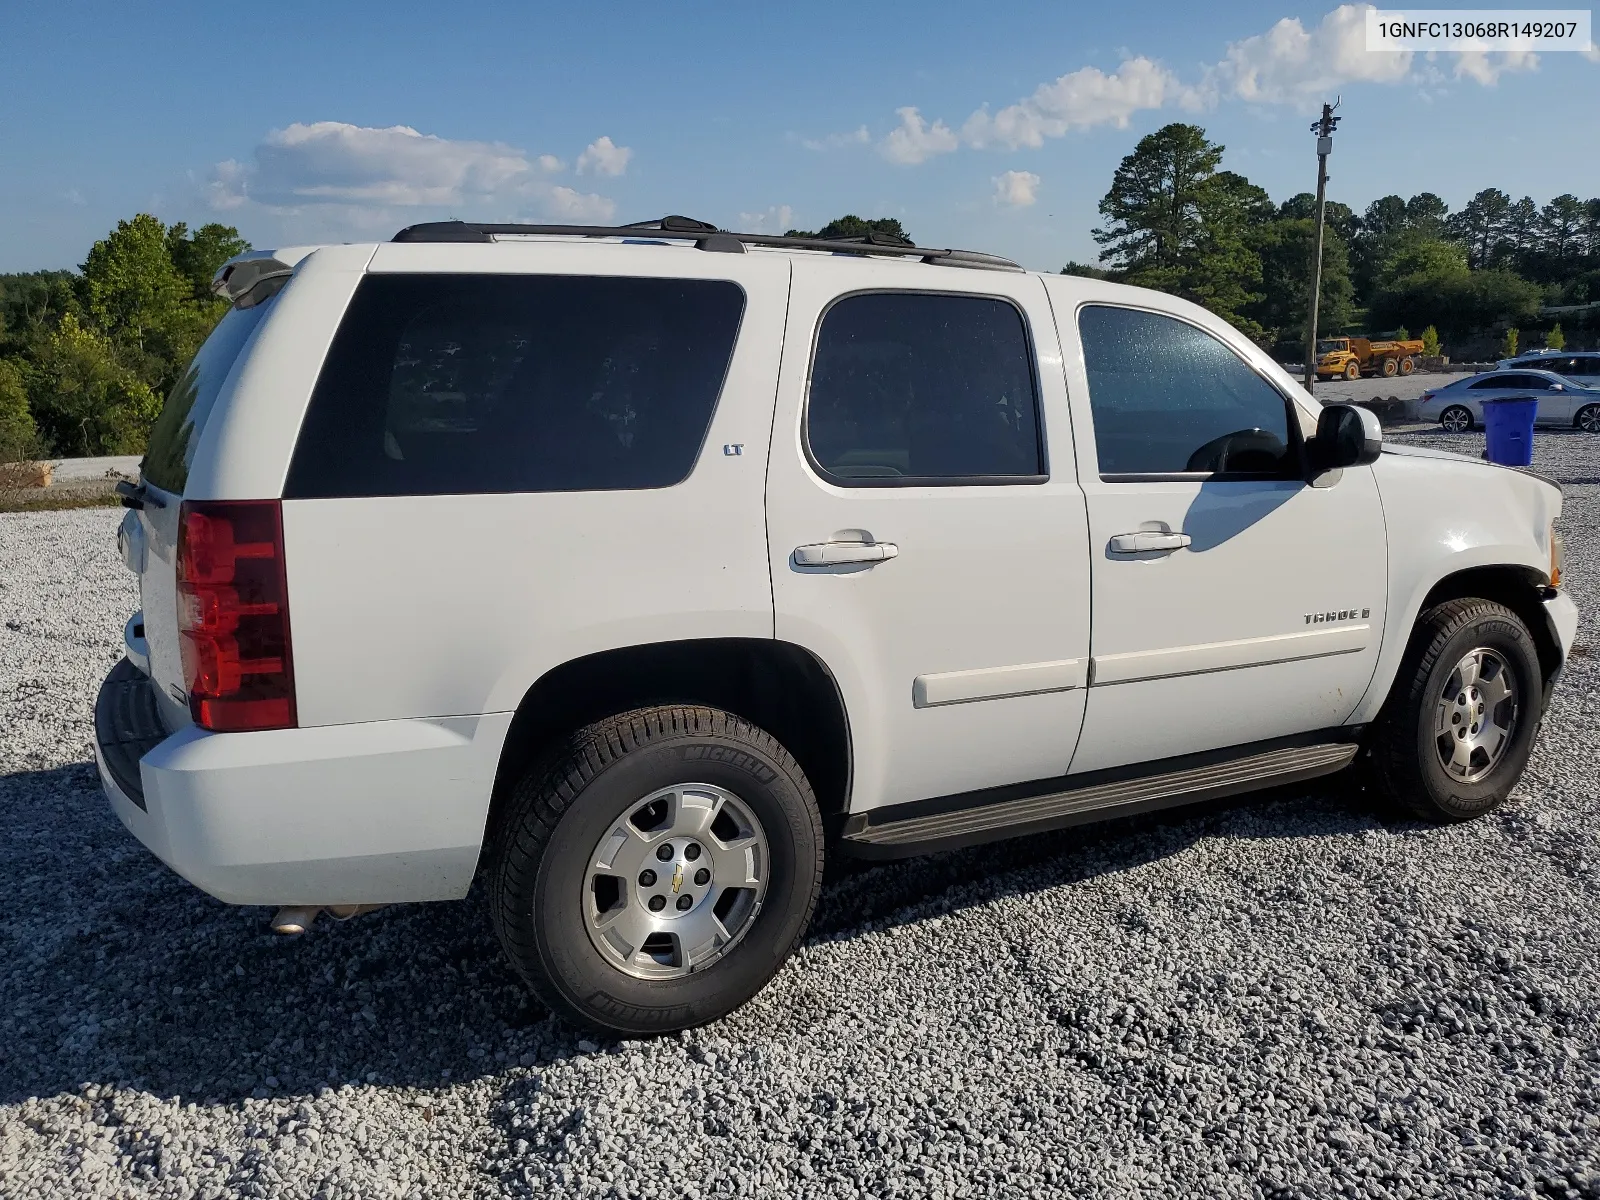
[(1281, 997)]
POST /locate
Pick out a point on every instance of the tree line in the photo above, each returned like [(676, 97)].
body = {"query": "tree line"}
[(86, 356), (1176, 221)]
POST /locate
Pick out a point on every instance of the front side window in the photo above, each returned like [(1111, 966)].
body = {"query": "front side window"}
[(910, 387), (1169, 398), (457, 384)]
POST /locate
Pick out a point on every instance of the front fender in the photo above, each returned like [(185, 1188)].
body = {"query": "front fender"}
[(1445, 515)]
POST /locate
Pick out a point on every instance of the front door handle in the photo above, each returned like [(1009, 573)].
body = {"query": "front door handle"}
[(828, 554), (1140, 543)]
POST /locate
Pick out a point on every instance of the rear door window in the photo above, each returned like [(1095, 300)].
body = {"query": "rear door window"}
[(923, 388), (458, 384), (1168, 398), (177, 430)]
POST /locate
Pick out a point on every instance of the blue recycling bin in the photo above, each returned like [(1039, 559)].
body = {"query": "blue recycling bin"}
[(1508, 426)]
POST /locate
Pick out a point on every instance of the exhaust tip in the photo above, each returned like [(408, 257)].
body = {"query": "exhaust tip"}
[(295, 919)]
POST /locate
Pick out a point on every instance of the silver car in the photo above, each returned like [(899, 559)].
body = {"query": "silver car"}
[(1458, 406)]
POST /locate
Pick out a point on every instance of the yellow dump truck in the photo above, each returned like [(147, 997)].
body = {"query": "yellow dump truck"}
[(1353, 357)]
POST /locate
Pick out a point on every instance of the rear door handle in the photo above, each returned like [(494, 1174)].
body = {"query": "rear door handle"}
[(828, 554), (1139, 543)]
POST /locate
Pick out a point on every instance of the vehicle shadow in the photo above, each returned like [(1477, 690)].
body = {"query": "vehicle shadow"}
[(117, 971)]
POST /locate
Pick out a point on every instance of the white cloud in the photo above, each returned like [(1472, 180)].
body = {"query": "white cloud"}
[(337, 176), (1079, 100), (838, 141), (1486, 67), (779, 218), (915, 140), (1016, 189), (1289, 64), (604, 157)]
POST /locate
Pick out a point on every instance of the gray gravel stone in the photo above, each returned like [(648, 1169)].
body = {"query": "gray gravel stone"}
[(1283, 997)]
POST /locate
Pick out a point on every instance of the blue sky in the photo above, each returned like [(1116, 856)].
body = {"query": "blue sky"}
[(991, 127)]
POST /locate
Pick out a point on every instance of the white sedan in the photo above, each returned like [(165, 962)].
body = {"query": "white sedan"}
[(1458, 406)]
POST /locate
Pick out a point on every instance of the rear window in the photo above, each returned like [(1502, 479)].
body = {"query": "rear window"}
[(455, 384), (177, 430)]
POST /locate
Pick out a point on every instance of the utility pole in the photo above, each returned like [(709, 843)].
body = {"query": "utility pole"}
[(1323, 128)]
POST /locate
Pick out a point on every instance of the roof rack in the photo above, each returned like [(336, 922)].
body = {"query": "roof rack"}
[(706, 236)]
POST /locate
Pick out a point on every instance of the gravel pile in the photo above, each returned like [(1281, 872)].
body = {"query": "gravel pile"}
[(1286, 996)]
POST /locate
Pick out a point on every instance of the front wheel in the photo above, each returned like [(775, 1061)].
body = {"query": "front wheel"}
[(1456, 419), (1458, 727), (656, 870), (1588, 418), (1352, 370)]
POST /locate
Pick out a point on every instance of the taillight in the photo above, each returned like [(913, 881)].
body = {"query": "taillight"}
[(233, 615)]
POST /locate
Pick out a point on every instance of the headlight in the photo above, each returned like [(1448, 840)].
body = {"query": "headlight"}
[(1558, 556)]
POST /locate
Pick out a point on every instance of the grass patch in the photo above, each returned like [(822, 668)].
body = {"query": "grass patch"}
[(43, 501)]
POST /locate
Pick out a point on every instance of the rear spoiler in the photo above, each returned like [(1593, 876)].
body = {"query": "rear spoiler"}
[(248, 279)]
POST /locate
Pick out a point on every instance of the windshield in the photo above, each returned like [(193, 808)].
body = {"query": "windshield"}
[(1328, 347), (177, 430)]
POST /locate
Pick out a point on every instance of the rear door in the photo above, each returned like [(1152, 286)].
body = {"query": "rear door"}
[(1233, 601), (926, 532)]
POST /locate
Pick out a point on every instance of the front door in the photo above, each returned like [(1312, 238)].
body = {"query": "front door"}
[(926, 532), (1233, 601)]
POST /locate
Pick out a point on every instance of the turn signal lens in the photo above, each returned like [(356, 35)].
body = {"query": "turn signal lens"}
[(233, 615), (1558, 557)]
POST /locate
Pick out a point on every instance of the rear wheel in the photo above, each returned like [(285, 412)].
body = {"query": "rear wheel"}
[(655, 871), (1390, 367), (1588, 418), (1458, 727), (1407, 365), (1352, 370), (1456, 419)]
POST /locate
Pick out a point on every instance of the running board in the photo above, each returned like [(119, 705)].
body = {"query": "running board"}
[(1057, 809)]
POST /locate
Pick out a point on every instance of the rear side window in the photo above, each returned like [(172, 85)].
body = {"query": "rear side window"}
[(177, 430), (1168, 398), (455, 384), (923, 388)]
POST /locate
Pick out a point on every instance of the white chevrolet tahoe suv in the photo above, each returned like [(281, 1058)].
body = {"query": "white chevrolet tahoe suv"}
[(633, 568)]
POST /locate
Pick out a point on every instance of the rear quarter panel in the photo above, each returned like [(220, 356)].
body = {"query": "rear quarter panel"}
[(425, 606)]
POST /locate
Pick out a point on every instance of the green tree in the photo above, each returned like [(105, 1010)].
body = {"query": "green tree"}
[(1561, 226), (851, 225), (1285, 246), (31, 304), (1402, 334), (198, 257), (85, 400), (19, 436), (1555, 339), (1481, 226), (1457, 302), (132, 290), (1085, 270), (1508, 344), (1173, 221), (1430, 341)]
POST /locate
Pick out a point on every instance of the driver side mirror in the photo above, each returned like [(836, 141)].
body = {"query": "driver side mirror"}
[(1347, 436)]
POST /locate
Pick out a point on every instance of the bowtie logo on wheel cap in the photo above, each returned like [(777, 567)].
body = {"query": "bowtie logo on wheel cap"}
[(677, 878)]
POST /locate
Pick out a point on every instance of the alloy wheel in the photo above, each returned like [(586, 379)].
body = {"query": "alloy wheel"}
[(676, 881), (1475, 716), (1455, 419)]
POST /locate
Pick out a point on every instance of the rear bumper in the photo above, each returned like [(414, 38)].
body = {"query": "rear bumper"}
[(373, 813)]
